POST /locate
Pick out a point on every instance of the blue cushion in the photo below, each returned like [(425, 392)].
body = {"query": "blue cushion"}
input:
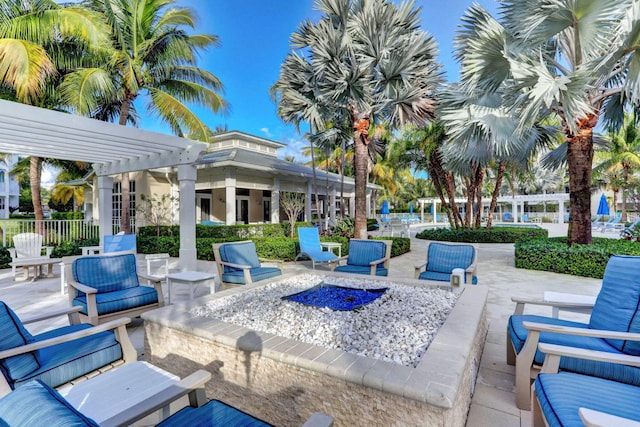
[(13, 334), (616, 307), (443, 277), (64, 362), (443, 258), (214, 413), (320, 256), (623, 373), (257, 274), (112, 302), (239, 253), (359, 269), (561, 395), (35, 404), (362, 252), (106, 273), (119, 243)]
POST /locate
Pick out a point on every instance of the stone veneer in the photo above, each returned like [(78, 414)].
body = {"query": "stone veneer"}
[(284, 381)]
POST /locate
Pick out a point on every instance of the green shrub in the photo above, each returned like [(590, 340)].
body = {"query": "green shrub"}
[(399, 245), (241, 231), (67, 215), (71, 248), (5, 257), (372, 224), (578, 260), (494, 235)]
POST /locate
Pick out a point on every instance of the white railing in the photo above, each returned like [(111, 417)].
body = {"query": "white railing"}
[(54, 231)]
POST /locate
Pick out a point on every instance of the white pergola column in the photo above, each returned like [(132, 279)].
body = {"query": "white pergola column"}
[(514, 211), (275, 201), (187, 182), (308, 203), (230, 196), (105, 206), (435, 210), (352, 205), (560, 211), (368, 210), (334, 196)]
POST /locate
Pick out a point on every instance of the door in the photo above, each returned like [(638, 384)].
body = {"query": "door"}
[(242, 210), (203, 210)]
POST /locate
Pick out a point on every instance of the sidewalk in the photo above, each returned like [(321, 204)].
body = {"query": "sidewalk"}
[(494, 399)]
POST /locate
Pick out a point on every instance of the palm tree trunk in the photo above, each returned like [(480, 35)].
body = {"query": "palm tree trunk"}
[(361, 162), (35, 175), (579, 160), (125, 220), (479, 181), (625, 177), (315, 184), (342, 159), (496, 191)]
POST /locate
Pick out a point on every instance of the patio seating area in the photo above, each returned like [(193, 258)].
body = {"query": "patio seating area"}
[(494, 397)]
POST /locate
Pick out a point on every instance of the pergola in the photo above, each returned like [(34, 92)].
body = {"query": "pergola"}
[(111, 149)]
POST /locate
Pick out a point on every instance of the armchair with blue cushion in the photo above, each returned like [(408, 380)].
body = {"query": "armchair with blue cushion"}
[(369, 257), (615, 317), (61, 355), (238, 263), (38, 404), (108, 287), (443, 257)]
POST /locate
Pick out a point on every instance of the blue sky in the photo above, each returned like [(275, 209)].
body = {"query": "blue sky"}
[(254, 38)]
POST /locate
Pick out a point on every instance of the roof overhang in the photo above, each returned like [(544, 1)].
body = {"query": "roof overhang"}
[(110, 148)]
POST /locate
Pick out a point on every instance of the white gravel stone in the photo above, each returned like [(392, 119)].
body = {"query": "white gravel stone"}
[(397, 327)]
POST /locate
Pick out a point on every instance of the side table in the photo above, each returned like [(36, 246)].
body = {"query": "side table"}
[(331, 246), (191, 278)]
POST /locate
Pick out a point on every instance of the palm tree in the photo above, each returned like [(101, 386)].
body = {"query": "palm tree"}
[(571, 59), (621, 154), (363, 62), (152, 55)]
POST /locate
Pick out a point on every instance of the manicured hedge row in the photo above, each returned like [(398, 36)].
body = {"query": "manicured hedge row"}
[(399, 245), (482, 235), (579, 260), (242, 231)]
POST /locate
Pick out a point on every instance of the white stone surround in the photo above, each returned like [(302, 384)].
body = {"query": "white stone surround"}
[(283, 381)]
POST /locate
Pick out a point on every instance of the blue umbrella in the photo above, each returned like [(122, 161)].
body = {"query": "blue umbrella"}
[(385, 208), (603, 207), (410, 208)]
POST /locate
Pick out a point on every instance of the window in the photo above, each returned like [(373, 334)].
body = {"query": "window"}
[(117, 201), (2, 177)]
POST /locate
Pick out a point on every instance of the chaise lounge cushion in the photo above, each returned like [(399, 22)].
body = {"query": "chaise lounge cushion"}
[(36, 404), (214, 413), (13, 334), (257, 274), (560, 395)]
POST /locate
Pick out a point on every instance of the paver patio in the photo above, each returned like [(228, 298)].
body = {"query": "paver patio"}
[(493, 402)]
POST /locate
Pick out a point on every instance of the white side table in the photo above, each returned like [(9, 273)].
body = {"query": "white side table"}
[(91, 250), (331, 246), (192, 278)]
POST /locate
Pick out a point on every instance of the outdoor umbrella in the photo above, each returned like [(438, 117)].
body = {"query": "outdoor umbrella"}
[(603, 207), (385, 208)]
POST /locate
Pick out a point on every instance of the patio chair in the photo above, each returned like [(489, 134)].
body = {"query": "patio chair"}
[(238, 263), (508, 217), (28, 246), (570, 399), (443, 257), (38, 404), (120, 243), (310, 247), (367, 257), (399, 226), (107, 287), (616, 309), (61, 355), (612, 225), (628, 231)]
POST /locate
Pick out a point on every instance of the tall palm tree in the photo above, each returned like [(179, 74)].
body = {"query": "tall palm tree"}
[(621, 154), (574, 59), (363, 62), (152, 55)]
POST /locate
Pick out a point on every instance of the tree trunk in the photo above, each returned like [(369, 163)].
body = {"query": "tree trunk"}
[(360, 162), (625, 177), (35, 175), (479, 181), (579, 160), (125, 220), (342, 159), (496, 192)]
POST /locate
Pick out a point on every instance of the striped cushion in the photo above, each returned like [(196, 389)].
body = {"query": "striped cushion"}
[(443, 258), (64, 362), (106, 273), (560, 395), (214, 413), (623, 373), (443, 277), (239, 253), (36, 404), (13, 334), (359, 269), (112, 302), (362, 252), (616, 308), (257, 274)]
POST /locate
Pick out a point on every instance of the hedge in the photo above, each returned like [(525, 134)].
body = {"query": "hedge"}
[(242, 231), (578, 260), (494, 235), (399, 245)]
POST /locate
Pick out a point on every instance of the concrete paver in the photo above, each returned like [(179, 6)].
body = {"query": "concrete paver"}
[(493, 403)]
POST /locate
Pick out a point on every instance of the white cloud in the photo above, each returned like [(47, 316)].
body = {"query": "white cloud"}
[(266, 132), (294, 148), (48, 178)]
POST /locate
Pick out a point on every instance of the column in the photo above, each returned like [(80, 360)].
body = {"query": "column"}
[(368, 210), (560, 212), (309, 202), (105, 206), (352, 206), (275, 201), (334, 197), (514, 210), (187, 184), (230, 196), (434, 208)]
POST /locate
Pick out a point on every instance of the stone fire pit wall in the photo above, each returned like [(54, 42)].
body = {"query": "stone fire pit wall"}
[(284, 381)]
